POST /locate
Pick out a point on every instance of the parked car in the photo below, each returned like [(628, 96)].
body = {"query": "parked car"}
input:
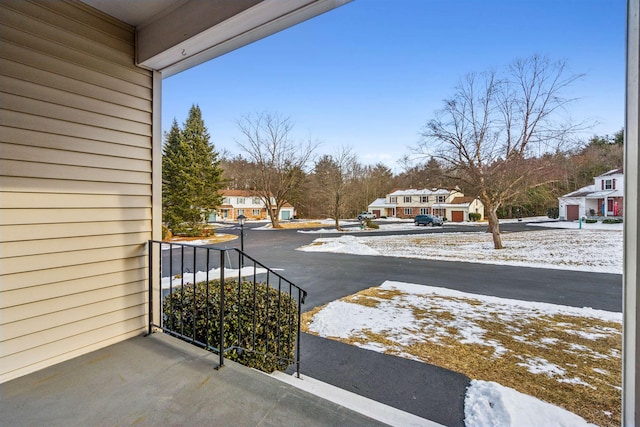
[(427, 220), (366, 215)]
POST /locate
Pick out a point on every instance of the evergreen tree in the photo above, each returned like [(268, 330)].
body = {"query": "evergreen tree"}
[(191, 176)]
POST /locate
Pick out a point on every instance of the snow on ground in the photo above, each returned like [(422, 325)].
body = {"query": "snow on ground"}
[(213, 274), (567, 249), (487, 403), (178, 243)]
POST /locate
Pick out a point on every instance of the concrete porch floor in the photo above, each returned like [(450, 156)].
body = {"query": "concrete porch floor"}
[(159, 380)]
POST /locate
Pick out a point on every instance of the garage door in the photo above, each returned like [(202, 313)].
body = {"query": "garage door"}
[(573, 212), (457, 216)]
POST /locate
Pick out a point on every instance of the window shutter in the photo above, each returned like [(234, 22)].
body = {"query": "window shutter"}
[(602, 184), (614, 184)]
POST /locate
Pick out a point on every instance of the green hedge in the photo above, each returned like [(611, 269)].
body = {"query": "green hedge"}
[(612, 221), (474, 216), (274, 345), (370, 224)]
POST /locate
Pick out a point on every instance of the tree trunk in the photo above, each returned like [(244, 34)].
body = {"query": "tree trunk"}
[(273, 216), (494, 227), (336, 211)]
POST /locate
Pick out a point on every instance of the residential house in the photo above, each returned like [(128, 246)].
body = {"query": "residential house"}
[(244, 202), (450, 204), (604, 198), (81, 151)]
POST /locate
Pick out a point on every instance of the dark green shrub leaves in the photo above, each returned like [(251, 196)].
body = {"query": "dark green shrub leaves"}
[(260, 323)]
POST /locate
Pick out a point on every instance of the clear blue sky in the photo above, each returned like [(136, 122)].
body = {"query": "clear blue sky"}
[(371, 73)]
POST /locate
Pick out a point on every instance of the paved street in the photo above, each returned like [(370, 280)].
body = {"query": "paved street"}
[(418, 388), (328, 276)]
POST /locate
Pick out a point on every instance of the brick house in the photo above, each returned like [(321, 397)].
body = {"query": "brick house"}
[(450, 204)]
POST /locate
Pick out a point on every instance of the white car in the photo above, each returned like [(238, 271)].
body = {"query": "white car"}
[(366, 215)]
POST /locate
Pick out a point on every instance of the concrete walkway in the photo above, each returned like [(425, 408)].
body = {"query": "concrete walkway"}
[(161, 381)]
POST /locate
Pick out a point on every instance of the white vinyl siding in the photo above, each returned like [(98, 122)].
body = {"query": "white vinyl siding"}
[(75, 184)]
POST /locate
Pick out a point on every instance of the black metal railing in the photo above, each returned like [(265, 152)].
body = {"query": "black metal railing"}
[(225, 301)]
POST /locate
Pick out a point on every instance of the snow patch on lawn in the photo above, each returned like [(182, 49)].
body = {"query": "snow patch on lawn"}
[(489, 404), (564, 249)]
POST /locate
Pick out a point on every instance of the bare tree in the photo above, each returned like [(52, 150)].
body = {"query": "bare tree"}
[(333, 175), (487, 132), (279, 161)]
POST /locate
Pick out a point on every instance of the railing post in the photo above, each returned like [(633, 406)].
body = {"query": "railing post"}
[(298, 334), (150, 248), (221, 338)]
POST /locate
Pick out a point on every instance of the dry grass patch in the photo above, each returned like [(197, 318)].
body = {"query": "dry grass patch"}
[(373, 296), (572, 361)]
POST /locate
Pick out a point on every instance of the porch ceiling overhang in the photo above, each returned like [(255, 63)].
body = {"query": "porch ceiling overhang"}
[(599, 194), (174, 35)]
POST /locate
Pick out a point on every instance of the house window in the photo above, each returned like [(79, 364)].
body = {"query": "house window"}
[(608, 184), (424, 199), (408, 211), (256, 200), (240, 212), (424, 211), (407, 199), (226, 201), (241, 200), (442, 199), (392, 199), (256, 212)]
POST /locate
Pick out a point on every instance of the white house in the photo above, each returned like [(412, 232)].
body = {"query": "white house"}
[(244, 202), (603, 198)]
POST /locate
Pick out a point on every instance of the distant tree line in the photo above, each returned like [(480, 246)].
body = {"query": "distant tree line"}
[(564, 171), (339, 185)]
